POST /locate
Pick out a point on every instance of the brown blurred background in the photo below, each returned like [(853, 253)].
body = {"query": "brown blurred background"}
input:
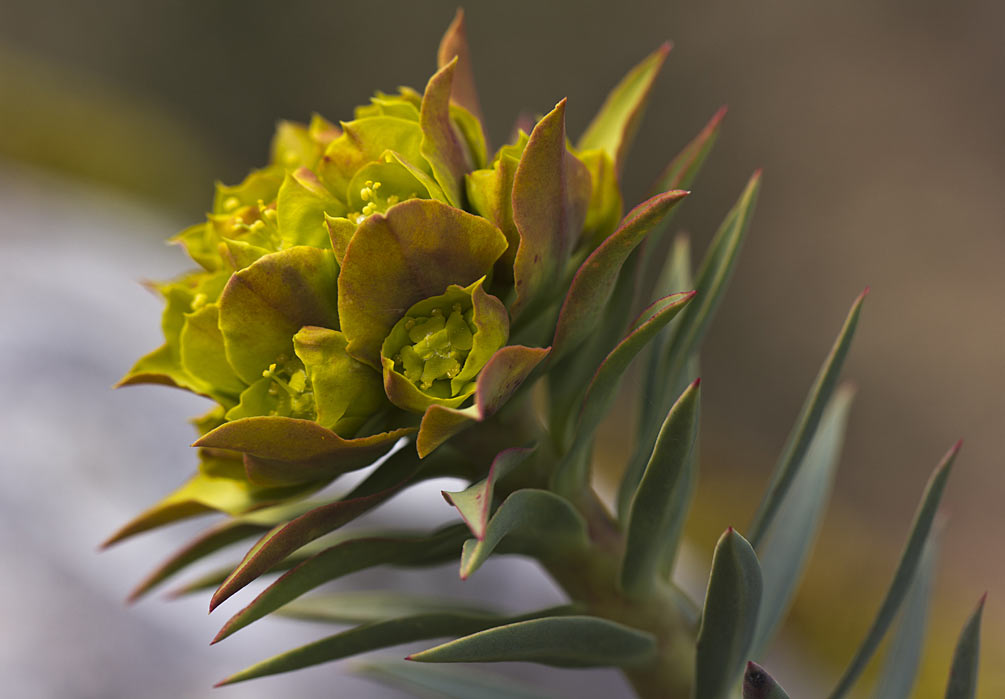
[(878, 125)]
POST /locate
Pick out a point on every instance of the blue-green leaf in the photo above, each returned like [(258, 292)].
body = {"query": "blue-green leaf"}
[(903, 656), (963, 675), (532, 522), (758, 684), (364, 606), (656, 518), (570, 641), (729, 617), (571, 474), (380, 634), (475, 502), (345, 558), (445, 682), (903, 577), (687, 334), (789, 541), (791, 460)]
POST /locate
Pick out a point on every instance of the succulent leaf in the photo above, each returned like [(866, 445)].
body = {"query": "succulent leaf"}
[(566, 641), (475, 502), (903, 655), (793, 456), (570, 475), (532, 522), (728, 618), (380, 634), (345, 558), (364, 606), (454, 44), (758, 684), (787, 545), (301, 205), (963, 675), (906, 571), (713, 277), (445, 682), (658, 510), (614, 126)]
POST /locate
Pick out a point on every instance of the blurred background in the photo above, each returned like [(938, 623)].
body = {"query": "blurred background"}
[(878, 125)]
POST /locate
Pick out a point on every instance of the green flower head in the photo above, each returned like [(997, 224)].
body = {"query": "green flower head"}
[(434, 353)]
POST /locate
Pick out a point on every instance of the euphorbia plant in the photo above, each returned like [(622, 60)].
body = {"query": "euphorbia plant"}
[(386, 280)]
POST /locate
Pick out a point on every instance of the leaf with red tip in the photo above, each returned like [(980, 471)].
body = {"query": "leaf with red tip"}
[(680, 173), (499, 379), (728, 618), (614, 126), (454, 44), (531, 522), (441, 143), (594, 281), (381, 634), (687, 334), (561, 641), (551, 191), (284, 450), (793, 456), (963, 675), (572, 475), (758, 684), (788, 543), (345, 558), (475, 502), (907, 568), (656, 518), (400, 469), (414, 252)]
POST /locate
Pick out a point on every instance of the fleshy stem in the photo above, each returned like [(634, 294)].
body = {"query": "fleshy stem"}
[(590, 574)]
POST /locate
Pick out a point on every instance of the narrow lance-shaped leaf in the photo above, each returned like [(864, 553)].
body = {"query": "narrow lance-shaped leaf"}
[(613, 128), (963, 674), (342, 559), (475, 503), (728, 618), (789, 541), (791, 460), (903, 655), (441, 144), (594, 281), (903, 577), (381, 634), (758, 684), (455, 44), (680, 173), (445, 682), (571, 474), (660, 503), (529, 521), (389, 478), (570, 641), (551, 189), (713, 277), (364, 606)]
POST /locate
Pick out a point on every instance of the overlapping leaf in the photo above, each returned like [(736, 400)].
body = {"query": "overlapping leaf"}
[(903, 577), (729, 617), (563, 641), (963, 674)]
